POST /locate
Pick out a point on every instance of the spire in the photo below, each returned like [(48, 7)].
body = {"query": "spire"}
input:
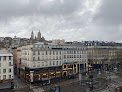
[(39, 35), (32, 35), (32, 32), (35, 37)]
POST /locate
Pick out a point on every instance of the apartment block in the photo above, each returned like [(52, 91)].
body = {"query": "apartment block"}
[(6, 69), (42, 61)]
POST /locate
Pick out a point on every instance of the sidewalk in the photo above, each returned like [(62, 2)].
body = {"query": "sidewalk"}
[(37, 90)]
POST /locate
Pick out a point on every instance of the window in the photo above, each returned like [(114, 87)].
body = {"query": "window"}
[(64, 56), (9, 63), (33, 52), (53, 57), (57, 57), (38, 58), (46, 52), (42, 63), (46, 64), (0, 58), (57, 52), (50, 52), (38, 65), (42, 53), (50, 62), (60, 57), (60, 52), (0, 71), (4, 70), (53, 53), (0, 64), (33, 58), (9, 76), (60, 62), (74, 52), (57, 63), (4, 57), (34, 64), (9, 70), (53, 62), (9, 57), (38, 52), (4, 77)]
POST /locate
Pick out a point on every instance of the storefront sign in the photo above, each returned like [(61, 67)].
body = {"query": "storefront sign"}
[(69, 68), (64, 69), (58, 72), (51, 73), (44, 74)]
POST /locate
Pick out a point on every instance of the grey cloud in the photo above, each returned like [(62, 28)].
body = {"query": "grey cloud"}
[(34, 7), (61, 19), (107, 21), (110, 12)]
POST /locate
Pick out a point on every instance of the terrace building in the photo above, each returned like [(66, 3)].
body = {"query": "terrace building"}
[(6, 69), (42, 61)]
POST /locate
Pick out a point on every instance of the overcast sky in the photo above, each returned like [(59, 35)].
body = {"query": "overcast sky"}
[(72, 20)]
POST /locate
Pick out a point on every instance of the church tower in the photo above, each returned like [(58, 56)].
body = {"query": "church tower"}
[(39, 36), (32, 35)]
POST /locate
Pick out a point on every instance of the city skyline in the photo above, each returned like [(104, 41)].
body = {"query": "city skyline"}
[(71, 20)]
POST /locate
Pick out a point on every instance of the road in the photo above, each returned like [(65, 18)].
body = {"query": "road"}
[(73, 85)]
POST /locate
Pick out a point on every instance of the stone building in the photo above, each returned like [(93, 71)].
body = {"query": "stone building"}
[(42, 61), (104, 56), (6, 69)]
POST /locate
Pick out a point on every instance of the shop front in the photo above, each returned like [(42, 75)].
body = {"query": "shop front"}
[(37, 75), (51, 75), (51, 71), (70, 69), (59, 71), (6, 84), (27, 76), (44, 76), (58, 74)]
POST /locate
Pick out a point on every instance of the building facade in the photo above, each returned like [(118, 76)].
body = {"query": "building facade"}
[(104, 56), (42, 61), (74, 59), (6, 69)]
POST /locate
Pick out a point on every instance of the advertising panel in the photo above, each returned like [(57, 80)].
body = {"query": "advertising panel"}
[(31, 76)]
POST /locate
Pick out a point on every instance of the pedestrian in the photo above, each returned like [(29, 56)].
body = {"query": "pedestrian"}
[(108, 86), (109, 90), (29, 90)]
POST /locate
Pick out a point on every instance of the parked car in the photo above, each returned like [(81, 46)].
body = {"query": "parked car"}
[(71, 76)]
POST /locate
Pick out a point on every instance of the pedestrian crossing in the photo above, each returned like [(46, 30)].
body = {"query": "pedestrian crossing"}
[(20, 87)]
